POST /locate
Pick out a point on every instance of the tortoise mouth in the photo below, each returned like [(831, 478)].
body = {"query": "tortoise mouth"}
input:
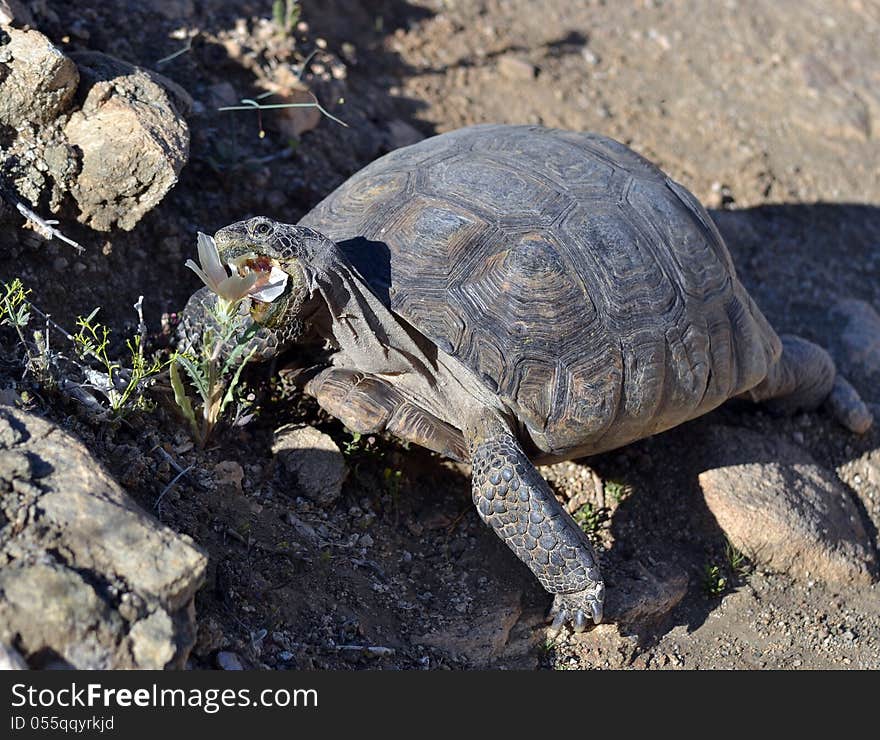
[(272, 279)]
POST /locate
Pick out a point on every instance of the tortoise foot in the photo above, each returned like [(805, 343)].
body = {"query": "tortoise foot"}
[(577, 608)]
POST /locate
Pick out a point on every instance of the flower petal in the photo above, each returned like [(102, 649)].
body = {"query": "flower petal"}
[(235, 287), (200, 272), (210, 258), (273, 288)]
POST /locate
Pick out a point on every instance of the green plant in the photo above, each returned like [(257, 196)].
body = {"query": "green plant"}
[(15, 311), (714, 581), (122, 384), (362, 446), (739, 564), (225, 345), (214, 376), (123, 387), (590, 518), (285, 15), (617, 490)]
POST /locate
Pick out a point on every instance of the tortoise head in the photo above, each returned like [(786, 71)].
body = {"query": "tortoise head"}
[(263, 244)]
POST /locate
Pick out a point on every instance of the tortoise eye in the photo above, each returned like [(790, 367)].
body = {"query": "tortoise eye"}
[(262, 228)]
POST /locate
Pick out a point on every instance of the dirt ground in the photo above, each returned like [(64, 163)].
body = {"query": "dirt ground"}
[(767, 111)]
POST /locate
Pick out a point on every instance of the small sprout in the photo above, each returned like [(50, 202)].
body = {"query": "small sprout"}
[(738, 562), (123, 387), (14, 306), (285, 14), (122, 384), (714, 582), (590, 519), (617, 490)]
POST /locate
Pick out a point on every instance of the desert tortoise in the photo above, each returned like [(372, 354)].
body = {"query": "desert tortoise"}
[(507, 295)]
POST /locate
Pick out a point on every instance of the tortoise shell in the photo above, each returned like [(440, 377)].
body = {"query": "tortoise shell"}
[(593, 294)]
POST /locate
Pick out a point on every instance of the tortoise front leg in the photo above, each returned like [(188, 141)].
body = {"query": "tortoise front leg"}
[(513, 499)]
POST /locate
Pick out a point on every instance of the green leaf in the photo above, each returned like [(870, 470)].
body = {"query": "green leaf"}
[(182, 399), (196, 375), (227, 397), (236, 353)]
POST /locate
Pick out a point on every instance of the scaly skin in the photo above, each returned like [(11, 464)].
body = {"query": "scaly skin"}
[(513, 499), (804, 379)]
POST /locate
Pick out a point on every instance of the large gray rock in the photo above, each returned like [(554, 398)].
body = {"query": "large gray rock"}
[(87, 579), (784, 511), (116, 155)]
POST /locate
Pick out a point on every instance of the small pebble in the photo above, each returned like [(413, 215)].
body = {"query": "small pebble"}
[(228, 661)]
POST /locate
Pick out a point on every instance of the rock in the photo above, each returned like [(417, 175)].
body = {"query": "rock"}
[(857, 333), (37, 82), (95, 66), (516, 68), (153, 639), (88, 580), (14, 13), (500, 633), (133, 142), (228, 661), (287, 88), (313, 460), (229, 474), (49, 608), (862, 474), (10, 659), (784, 511), (637, 597)]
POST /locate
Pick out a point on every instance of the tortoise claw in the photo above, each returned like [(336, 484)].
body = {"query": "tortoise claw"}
[(596, 611), (558, 618), (577, 607)]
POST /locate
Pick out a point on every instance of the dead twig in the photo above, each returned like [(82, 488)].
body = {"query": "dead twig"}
[(46, 227), (376, 651), (171, 485), (249, 104)]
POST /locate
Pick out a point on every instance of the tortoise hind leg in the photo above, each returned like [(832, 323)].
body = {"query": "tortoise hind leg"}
[(513, 499), (805, 378)]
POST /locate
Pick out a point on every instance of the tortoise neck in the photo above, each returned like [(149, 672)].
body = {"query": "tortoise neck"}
[(367, 334)]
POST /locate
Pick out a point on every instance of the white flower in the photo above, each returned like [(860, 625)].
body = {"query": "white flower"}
[(251, 276), (231, 288)]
